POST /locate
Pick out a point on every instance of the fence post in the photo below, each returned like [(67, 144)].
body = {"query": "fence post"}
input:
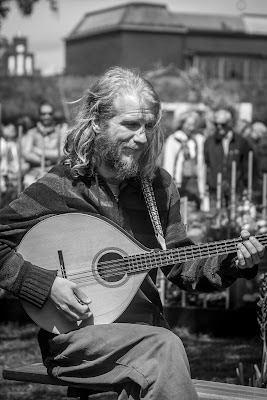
[(264, 197), (19, 159), (0, 155)]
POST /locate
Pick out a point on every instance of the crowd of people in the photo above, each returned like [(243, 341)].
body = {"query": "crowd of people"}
[(205, 144)]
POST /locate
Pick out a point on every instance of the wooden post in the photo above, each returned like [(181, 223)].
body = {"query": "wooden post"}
[(184, 217), (219, 191), (20, 128), (227, 298), (43, 156), (162, 281), (218, 198), (185, 206), (183, 299), (264, 197), (233, 191), (0, 155), (250, 173), (205, 206)]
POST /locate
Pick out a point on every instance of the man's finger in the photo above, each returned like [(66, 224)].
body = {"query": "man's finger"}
[(81, 297), (245, 234), (258, 246), (73, 315)]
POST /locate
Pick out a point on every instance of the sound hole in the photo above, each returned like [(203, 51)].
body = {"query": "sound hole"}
[(111, 271)]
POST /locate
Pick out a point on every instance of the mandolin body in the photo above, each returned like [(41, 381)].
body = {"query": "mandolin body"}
[(85, 242)]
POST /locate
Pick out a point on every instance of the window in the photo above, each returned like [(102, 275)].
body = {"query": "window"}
[(20, 64), (11, 65), (20, 48), (28, 65), (234, 68)]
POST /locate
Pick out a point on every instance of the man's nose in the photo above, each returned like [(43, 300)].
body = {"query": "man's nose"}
[(140, 135)]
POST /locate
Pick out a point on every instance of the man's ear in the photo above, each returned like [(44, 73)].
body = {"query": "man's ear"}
[(96, 123)]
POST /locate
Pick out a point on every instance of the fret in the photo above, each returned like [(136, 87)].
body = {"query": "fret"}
[(192, 252), (225, 244), (236, 242), (135, 263), (155, 258), (180, 254), (171, 256), (199, 249), (130, 262), (150, 259), (161, 260), (145, 262), (204, 250)]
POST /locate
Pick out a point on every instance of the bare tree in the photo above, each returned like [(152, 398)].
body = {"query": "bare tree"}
[(26, 7)]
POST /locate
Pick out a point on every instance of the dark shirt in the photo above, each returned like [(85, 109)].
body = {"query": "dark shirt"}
[(217, 162)]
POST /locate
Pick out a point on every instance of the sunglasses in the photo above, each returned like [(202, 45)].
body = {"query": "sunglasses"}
[(46, 113), (219, 125)]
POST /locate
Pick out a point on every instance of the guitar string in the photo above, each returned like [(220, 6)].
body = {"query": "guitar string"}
[(89, 278), (135, 259), (122, 263), (195, 251)]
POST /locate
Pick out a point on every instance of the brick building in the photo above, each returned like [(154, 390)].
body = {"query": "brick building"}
[(145, 35)]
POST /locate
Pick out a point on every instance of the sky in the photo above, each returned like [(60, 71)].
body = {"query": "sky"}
[(46, 30)]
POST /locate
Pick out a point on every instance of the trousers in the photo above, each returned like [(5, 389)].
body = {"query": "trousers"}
[(146, 362)]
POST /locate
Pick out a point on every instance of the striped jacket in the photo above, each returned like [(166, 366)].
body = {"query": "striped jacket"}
[(58, 192)]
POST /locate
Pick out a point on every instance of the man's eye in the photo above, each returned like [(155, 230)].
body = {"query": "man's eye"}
[(132, 125), (150, 126)]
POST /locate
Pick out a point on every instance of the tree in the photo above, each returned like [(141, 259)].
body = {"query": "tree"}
[(26, 7)]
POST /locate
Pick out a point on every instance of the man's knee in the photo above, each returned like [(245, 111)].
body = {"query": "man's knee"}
[(167, 340)]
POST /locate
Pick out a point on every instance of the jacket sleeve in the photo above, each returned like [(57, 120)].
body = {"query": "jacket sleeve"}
[(200, 275), (25, 280)]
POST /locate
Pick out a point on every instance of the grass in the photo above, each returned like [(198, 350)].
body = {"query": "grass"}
[(216, 359), (210, 359)]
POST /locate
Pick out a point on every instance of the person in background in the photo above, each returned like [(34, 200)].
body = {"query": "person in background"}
[(184, 157), (256, 135), (110, 151), (3, 166), (43, 144), (222, 147), (11, 163)]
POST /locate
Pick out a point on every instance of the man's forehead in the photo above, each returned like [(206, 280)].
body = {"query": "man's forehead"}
[(132, 104), (222, 115), (46, 107)]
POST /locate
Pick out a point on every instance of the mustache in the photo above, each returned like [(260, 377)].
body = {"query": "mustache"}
[(125, 146)]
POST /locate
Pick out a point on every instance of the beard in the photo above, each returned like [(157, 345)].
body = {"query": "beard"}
[(110, 153)]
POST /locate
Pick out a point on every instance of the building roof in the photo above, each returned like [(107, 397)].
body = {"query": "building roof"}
[(156, 17), (135, 16), (255, 24), (210, 22)]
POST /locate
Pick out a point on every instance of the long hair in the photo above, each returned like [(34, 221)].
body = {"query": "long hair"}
[(99, 100)]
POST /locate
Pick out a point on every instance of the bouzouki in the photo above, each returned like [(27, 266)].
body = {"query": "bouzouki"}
[(106, 262)]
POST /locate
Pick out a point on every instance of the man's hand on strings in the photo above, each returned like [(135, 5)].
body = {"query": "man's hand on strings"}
[(249, 252), (70, 300)]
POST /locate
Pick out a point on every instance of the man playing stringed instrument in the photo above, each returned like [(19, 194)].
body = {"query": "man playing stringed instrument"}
[(112, 147)]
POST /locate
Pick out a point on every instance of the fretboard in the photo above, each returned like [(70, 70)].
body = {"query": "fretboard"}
[(154, 259)]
